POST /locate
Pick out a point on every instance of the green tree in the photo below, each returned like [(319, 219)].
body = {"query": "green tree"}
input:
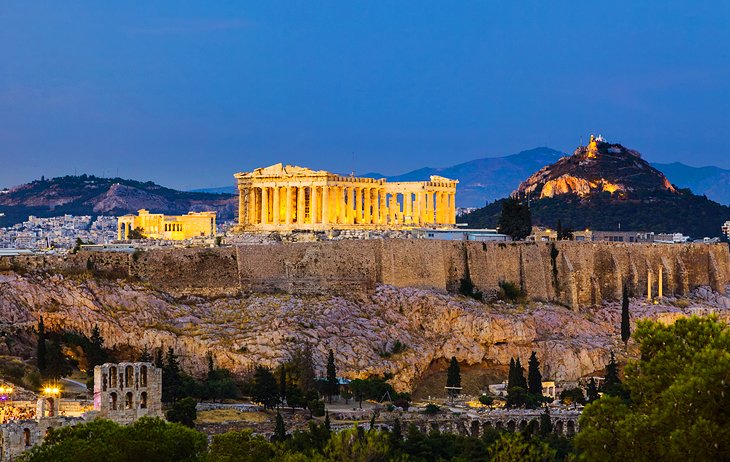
[(316, 407), (534, 377), (301, 367), (240, 446), (351, 446), (625, 320), (453, 377), (265, 388), (96, 354), (511, 447), (184, 411), (41, 353), (678, 394), (546, 424), (282, 383), (135, 234), (57, 365), (145, 356), (295, 398), (279, 429), (592, 390), (515, 220), (333, 385), (172, 380), (359, 389)]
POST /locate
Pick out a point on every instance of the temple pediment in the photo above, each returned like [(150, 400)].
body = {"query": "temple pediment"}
[(281, 170)]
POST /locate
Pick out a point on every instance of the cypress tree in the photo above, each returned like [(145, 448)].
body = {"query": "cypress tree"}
[(145, 356), (158, 358), (333, 386), (534, 378), (511, 377), (625, 319), (171, 377), (520, 375), (280, 430), (546, 425), (592, 390), (264, 388), (559, 230), (282, 383), (41, 356), (327, 424), (453, 376), (611, 372), (96, 354)]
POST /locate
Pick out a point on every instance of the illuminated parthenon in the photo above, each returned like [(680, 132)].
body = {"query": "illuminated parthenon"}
[(283, 198)]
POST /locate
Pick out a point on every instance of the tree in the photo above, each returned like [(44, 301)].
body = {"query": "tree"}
[(282, 383), (316, 407), (534, 377), (265, 389), (515, 220), (511, 377), (333, 385), (546, 424), (184, 411), (135, 234), (171, 378), (612, 380), (279, 430), (41, 360), (592, 391), (145, 356), (57, 365), (96, 353), (453, 377), (678, 394), (295, 398), (301, 367), (512, 447), (572, 395), (520, 375), (625, 320), (359, 388), (240, 446), (327, 423)]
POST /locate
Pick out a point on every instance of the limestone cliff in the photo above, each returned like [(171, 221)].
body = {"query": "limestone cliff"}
[(242, 330)]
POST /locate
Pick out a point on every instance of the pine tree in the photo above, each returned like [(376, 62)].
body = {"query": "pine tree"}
[(453, 377), (265, 388), (280, 430), (282, 383), (159, 363), (397, 431), (592, 390), (96, 354), (333, 384), (534, 378), (559, 230), (41, 353), (145, 356), (511, 377), (171, 377), (327, 424), (625, 320)]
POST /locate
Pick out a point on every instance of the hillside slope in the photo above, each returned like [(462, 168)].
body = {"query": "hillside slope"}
[(90, 195)]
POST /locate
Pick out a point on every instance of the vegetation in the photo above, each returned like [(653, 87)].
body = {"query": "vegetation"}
[(453, 378), (135, 234), (678, 397), (625, 319), (520, 391), (515, 219), (184, 412), (332, 385), (509, 291)]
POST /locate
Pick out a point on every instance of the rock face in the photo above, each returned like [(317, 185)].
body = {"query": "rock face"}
[(241, 331), (598, 167)]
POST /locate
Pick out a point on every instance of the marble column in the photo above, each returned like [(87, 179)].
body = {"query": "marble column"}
[(341, 209), (325, 204), (383, 206), (288, 191), (264, 205), (275, 207), (408, 207), (367, 203), (313, 205), (301, 210), (350, 205), (358, 205)]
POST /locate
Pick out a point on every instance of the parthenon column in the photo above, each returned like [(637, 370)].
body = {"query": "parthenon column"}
[(276, 208), (358, 205), (429, 209), (383, 206), (376, 206), (325, 204), (439, 202), (313, 205), (264, 205), (288, 190), (301, 210), (452, 208), (342, 211), (350, 205), (408, 207), (367, 196)]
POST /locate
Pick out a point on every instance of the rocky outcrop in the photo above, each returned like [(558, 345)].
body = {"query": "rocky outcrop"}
[(241, 331)]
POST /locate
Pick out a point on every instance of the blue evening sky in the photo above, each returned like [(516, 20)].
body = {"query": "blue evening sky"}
[(187, 93)]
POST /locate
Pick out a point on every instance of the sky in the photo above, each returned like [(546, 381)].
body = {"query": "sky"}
[(187, 93)]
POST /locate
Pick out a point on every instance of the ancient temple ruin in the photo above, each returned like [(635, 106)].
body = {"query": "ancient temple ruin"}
[(286, 198)]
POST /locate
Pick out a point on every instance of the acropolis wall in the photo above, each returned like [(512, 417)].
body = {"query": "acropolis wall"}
[(576, 274)]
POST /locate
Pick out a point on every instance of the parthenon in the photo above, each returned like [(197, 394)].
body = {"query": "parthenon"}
[(284, 198)]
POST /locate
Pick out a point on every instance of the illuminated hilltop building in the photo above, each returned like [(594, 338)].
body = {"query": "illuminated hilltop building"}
[(170, 227), (286, 198)]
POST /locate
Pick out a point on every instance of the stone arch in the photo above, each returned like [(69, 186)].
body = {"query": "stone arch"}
[(486, 426), (113, 401), (474, 431), (499, 425), (510, 425), (129, 376), (143, 376), (523, 424), (570, 428), (558, 427), (26, 437), (113, 377), (143, 400), (128, 400), (434, 426)]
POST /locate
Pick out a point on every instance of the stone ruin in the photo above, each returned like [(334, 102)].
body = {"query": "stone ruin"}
[(123, 393)]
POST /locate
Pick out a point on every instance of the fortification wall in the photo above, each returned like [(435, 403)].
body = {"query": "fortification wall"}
[(573, 273)]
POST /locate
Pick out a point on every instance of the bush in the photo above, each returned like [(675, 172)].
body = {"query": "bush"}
[(432, 409), (508, 291), (486, 400), (184, 412), (572, 395), (316, 407)]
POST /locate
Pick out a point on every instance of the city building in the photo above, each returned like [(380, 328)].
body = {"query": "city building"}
[(480, 235), (287, 198), (726, 229), (167, 227)]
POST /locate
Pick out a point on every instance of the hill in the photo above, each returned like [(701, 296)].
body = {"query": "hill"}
[(91, 195), (606, 186)]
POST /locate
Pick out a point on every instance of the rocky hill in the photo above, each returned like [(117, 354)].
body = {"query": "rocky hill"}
[(90, 195), (241, 331), (605, 186)]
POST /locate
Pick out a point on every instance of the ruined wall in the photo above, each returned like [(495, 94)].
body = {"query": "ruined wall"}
[(573, 273)]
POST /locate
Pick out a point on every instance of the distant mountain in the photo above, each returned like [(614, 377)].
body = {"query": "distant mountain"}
[(90, 195), (221, 190), (713, 182), (606, 186)]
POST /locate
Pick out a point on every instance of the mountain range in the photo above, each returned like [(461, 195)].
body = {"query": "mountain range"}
[(487, 179)]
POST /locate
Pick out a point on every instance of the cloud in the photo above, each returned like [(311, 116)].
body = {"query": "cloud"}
[(190, 26)]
